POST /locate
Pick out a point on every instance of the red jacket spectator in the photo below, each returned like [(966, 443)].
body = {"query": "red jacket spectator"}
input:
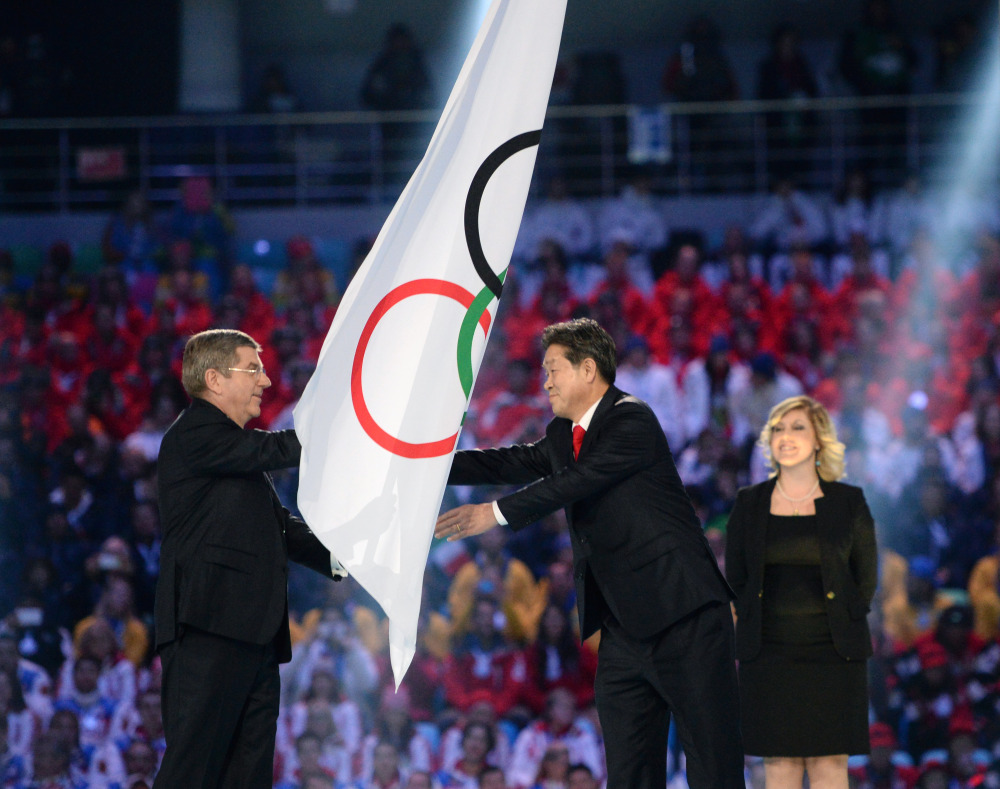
[(631, 301), (860, 283), (682, 292), (108, 346), (810, 300), (879, 771), (182, 307), (110, 288), (484, 667), (522, 329), (258, 313), (558, 660)]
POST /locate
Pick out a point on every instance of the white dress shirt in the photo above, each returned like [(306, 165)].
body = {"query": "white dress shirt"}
[(584, 423)]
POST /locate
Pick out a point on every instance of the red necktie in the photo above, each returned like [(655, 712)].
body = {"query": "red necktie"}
[(578, 433)]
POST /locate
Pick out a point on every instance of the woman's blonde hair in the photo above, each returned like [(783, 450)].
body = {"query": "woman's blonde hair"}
[(830, 458)]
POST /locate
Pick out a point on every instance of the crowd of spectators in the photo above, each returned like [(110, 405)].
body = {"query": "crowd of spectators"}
[(867, 302)]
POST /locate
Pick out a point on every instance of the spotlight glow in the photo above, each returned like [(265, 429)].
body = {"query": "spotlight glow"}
[(466, 20), (976, 168)]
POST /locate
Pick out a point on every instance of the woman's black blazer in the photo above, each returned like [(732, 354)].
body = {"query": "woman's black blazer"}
[(848, 563)]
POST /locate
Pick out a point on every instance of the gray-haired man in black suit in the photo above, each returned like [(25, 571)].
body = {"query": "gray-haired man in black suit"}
[(221, 611)]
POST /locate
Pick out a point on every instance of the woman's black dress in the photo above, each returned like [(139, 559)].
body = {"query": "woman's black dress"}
[(798, 696)]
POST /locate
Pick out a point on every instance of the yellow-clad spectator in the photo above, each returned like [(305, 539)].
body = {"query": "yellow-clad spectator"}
[(115, 607), (908, 616), (984, 593), (522, 599)]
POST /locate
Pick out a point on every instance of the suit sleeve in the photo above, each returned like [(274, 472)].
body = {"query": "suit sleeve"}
[(864, 553), (626, 445), (736, 565), (217, 449), (304, 547), (736, 562), (516, 465)]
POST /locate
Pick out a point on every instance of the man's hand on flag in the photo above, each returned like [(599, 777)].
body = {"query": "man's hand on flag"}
[(465, 521)]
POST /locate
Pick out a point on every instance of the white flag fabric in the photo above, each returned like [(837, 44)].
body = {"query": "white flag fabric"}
[(380, 417)]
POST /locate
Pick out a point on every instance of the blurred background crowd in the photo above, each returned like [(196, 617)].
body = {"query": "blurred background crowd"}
[(879, 297)]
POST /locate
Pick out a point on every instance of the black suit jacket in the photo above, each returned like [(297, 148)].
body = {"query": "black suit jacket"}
[(848, 564), (226, 537), (638, 546)]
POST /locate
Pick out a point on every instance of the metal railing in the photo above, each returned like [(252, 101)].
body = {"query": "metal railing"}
[(353, 157)]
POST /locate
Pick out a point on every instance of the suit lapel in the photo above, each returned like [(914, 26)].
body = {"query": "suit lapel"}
[(604, 407), (561, 434), (831, 514), (763, 503), (762, 514)]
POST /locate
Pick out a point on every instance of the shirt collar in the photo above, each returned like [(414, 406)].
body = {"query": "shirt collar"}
[(585, 419)]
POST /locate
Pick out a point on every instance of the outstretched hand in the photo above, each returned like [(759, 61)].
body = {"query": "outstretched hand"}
[(465, 521)]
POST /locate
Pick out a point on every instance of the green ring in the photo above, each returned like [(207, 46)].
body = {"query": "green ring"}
[(466, 334)]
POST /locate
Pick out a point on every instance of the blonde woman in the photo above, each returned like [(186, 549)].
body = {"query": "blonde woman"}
[(801, 557)]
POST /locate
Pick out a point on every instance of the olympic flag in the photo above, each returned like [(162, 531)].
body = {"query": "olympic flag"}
[(380, 417)]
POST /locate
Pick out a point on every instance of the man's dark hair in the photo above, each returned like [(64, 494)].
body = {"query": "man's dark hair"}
[(583, 338), (579, 767), (49, 742), (488, 770), (17, 702), (491, 738), (87, 659), (305, 737)]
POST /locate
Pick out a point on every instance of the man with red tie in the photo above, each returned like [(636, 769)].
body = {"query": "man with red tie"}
[(645, 575)]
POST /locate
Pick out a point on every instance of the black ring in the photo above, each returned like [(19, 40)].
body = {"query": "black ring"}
[(475, 197)]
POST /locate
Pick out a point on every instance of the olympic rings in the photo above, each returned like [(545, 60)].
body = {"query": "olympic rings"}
[(434, 287), (477, 309)]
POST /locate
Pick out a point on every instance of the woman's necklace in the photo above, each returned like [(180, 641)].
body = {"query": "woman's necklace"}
[(794, 502)]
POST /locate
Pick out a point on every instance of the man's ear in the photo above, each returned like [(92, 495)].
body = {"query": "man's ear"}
[(212, 382), (590, 369)]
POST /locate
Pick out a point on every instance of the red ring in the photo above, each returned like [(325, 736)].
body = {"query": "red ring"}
[(418, 287)]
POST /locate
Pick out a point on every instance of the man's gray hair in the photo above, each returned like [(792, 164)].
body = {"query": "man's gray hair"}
[(214, 349)]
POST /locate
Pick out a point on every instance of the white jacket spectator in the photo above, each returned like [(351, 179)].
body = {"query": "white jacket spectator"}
[(418, 757), (36, 685), (656, 385), (783, 267), (853, 211), (346, 718), (530, 745), (842, 265), (560, 218), (330, 753), (965, 214), (851, 217), (20, 729), (789, 217), (634, 217), (451, 747), (701, 406), (116, 681), (962, 455), (900, 215), (335, 641), (892, 462)]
